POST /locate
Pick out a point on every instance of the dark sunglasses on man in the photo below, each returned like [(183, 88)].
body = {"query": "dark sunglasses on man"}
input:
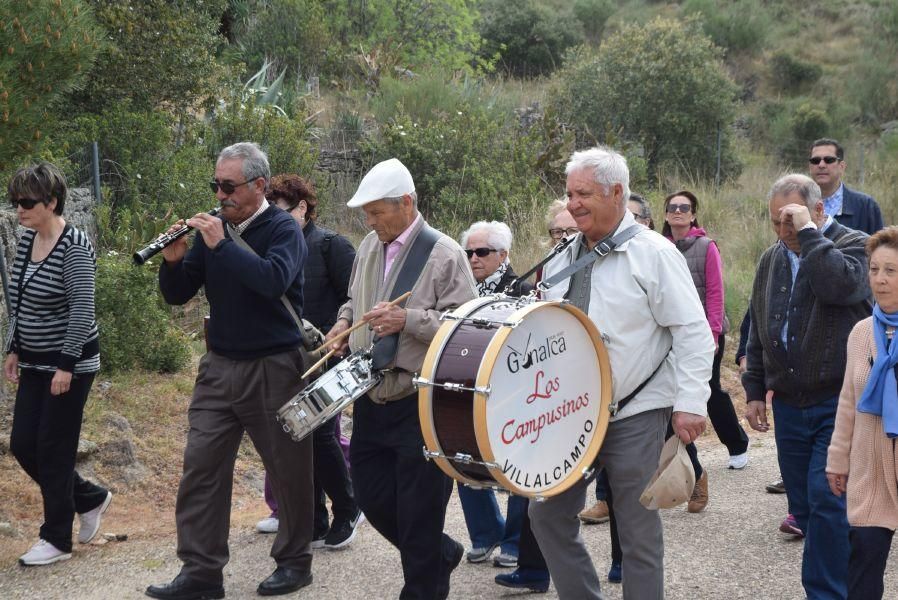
[(481, 252), (815, 160), (226, 186), (26, 203)]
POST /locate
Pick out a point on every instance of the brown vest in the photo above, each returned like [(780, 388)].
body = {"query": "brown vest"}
[(695, 250)]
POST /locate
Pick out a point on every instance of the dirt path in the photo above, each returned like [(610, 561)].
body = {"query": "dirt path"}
[(732, 550)]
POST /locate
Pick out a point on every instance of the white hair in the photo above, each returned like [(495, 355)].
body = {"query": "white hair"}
[(806, 187), (498, 234), (608, 168), (398, 199)]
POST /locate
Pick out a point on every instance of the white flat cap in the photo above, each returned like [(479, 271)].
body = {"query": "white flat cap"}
[(387, 179)]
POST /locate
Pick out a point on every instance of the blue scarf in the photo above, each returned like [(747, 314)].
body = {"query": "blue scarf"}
[(880, 395)]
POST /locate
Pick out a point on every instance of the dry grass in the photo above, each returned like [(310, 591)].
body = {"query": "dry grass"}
[(156, 407)]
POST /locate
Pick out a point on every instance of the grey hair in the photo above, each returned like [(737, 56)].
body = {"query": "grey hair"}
[(556, 208), (255, 161), (398, 199), (806, 187), (608, 168), (497, 233), (645, 211)]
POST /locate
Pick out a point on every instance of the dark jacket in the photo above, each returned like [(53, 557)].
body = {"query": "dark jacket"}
[(830, 295), (859, 211), (521, 289), (248, 320), (326, 273)]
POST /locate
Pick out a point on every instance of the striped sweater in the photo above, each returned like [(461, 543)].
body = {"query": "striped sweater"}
[(53, 306)]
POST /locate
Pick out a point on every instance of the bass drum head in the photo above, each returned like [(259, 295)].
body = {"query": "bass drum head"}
[(546, 415)]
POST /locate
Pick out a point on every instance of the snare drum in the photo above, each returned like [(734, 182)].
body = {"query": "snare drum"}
[(328, 395), (515, 393)]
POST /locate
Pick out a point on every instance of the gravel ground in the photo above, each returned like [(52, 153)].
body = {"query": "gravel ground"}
[(731, 550)]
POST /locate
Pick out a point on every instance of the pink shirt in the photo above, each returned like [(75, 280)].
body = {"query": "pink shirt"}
[(392, 249)]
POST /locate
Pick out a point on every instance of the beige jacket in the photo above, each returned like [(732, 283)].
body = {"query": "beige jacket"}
[(445, 283), (859, 447)]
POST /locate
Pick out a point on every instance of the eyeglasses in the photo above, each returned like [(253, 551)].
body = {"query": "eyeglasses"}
[(226, 186), (26, 203), (481, 252), (681, 208), (815, 160), (636, 215), (557, 232)]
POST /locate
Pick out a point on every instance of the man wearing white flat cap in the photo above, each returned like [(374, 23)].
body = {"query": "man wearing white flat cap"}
[(402, 495)]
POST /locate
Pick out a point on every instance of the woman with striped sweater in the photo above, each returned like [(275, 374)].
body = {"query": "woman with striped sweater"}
[(53, 354)]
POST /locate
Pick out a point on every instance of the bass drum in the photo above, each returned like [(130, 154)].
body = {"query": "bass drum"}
[(515, 393)]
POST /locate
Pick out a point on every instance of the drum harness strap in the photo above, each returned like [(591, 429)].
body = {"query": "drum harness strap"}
[(384, 350), (602, 249), (311, 337)]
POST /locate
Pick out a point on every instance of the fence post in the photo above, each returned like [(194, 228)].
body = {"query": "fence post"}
[(860, 164), (717, 173), (95, 165)]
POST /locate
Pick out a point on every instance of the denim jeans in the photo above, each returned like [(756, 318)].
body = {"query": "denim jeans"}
[(802, 440), (485, 523)]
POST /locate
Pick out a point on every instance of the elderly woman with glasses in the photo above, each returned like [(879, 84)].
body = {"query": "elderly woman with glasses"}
[(703, 258), (641, 210), (861, 461), (53, 353), (487, 245)]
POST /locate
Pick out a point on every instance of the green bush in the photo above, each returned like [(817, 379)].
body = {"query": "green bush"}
[(529, 37), (735, 26), (792, 74), (466, 164), (135, 329), (661, 86), (47, 47), (593, 14)]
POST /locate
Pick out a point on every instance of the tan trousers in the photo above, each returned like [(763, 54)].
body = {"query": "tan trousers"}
[(230, 397)]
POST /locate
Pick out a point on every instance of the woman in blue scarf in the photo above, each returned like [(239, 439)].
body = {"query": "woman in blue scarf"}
[(862, 453)]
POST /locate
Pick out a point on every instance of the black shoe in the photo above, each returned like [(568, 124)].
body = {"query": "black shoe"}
[(283, 581), (342, 532), (184, 587), (452, 561), (535, 580)]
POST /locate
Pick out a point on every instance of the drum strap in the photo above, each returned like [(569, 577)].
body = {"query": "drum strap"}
[(311, 337), (602, 249), (384, 350), (616, 408)]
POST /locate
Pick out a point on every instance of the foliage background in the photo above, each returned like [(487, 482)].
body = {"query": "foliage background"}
[(482, 99)]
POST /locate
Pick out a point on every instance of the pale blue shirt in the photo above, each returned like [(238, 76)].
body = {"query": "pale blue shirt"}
[(832, 206), (795, 263)]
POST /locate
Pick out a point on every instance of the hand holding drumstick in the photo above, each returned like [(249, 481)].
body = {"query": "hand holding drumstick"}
[(385, 318)]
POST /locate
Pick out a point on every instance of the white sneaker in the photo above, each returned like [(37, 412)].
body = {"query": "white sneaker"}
[(738, 461), (90, 521), (268, 525), (43, 553)]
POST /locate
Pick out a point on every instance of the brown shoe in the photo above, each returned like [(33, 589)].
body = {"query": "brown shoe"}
[(699, 499), (598, 513)]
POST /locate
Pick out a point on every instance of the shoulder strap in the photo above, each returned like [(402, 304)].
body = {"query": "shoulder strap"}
[(602, 249), (384, 350), (307, 337)]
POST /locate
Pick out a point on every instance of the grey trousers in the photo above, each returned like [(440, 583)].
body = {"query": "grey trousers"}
[(230, 397), (630, 455)]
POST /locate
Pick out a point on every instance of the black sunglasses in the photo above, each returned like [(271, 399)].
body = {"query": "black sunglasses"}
[(815, 160), (26, 203), (481, 252), (675, 208), (226, 186)]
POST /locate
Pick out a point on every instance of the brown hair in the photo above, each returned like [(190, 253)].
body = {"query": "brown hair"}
[(293, 189), (887, 237), (692, 200), (42, 181)]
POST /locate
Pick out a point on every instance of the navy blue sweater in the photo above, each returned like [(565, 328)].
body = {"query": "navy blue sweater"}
[(244, 290)]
